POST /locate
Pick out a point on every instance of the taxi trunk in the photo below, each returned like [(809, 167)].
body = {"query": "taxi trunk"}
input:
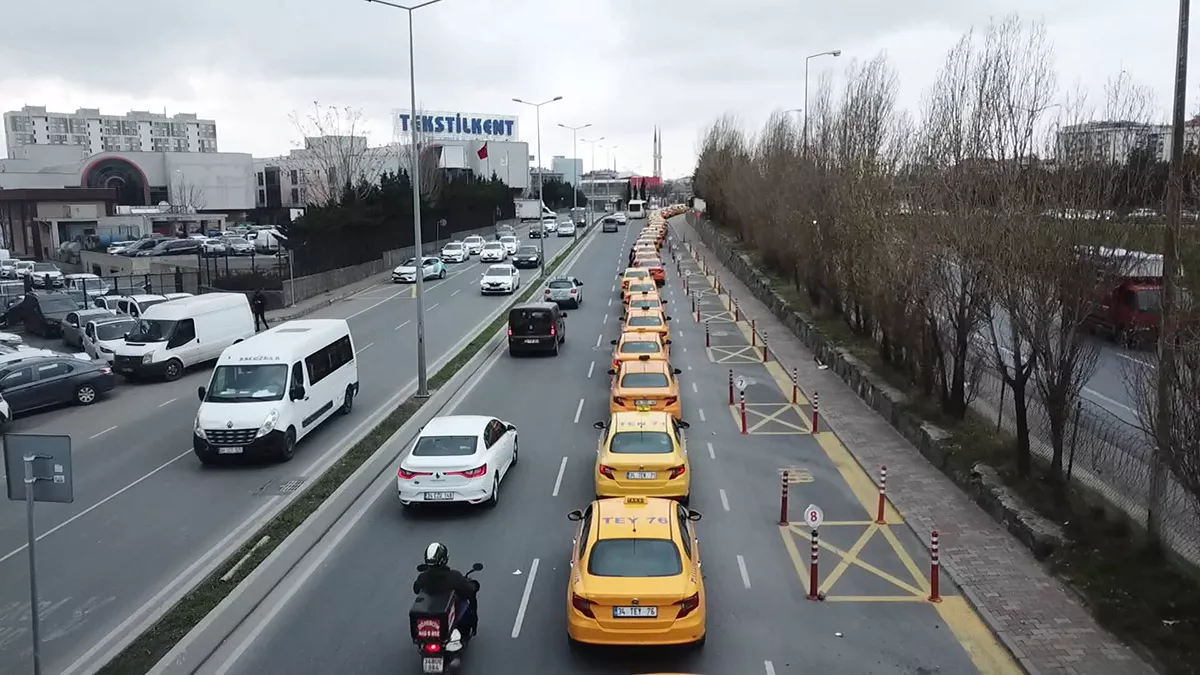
[(628, 606), (657, 400), (656, 475)]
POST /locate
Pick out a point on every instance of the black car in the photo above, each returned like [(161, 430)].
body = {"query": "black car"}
[(44, 381), (527, 256), (609, 224), (536, 327), (141, 245), (174, 247), (42, 313)]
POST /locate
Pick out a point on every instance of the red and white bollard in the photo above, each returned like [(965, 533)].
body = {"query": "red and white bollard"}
[(730, 386), (816, 415), (707, 336), (742, 397), (753, 333), (813, 587), (934, 576), (764, 346), (879, 519), (783, 498), (795, 386)]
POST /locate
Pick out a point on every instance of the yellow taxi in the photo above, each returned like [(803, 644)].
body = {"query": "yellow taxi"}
[(646, 299), (640, 347), (648, 384), (653, 263), (635, 575), (643, 453), (631, 275), (646, 321), (636, 288)]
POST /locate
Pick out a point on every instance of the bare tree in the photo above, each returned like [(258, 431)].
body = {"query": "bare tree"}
[(334, 157), (187, 197)]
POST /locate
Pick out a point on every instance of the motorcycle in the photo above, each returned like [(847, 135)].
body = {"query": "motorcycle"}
[(434, 626)]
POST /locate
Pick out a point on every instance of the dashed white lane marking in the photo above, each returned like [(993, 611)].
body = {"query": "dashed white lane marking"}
[(365, 348), (770, 667), (614, 288), (403, 325), (516, 631), (101, 433), (724, 500), (694, 389), (433, 307), (599, 338), (455, 292), (610, 302), (578, 411), (701, 411), (711, 453), (167, 402), (591, 367), (742, 569), (562, 469), (604, 321)]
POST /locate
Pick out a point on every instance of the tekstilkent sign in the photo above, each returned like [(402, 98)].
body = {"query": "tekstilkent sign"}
[(458, 126)]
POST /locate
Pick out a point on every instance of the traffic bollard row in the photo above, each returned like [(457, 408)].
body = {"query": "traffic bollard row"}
[(816, 405)]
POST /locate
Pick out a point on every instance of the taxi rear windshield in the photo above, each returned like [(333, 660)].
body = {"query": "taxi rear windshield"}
[(640, 443), (645, 321), (635, 274), (644, 380), (641, 288), (646, 304), (561, 284), (639, 347), (635, 558)]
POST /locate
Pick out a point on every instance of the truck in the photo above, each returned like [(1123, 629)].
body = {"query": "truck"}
[(1127, 306), (531, 209)]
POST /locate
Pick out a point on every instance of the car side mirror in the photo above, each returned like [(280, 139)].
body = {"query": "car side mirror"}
[(511, 427), (662, 302), (600, 425), (564, 315), (200, 392), (667, 341), (677, 371), (297, 393), (611, 371), (694, 515), (668, 318), (575, 516), (612, 342), (477, 567), (683, 424)]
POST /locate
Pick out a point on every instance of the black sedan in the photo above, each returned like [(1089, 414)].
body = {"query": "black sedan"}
[(42, 313), (44, 381), (527, 256)]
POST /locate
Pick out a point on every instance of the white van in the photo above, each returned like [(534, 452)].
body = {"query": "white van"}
[(173, 336), (637, 209), (272, 390)]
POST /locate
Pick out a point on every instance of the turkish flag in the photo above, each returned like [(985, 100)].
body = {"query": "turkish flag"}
[(482, 152)]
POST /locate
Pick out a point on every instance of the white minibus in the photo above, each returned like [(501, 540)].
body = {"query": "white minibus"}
[(637, 209), (175, 335)]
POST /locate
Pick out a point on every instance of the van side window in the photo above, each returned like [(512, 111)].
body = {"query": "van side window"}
[(329, 358), (185, 332)]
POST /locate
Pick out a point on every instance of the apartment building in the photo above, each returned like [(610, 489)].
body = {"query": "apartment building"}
[(137, 131)]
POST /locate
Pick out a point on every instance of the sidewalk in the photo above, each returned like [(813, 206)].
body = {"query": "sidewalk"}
[(1033, 614)]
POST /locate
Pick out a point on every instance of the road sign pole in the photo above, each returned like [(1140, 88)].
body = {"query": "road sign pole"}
[(34, 608)]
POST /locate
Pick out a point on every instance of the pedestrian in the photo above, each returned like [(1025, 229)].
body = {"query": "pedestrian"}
[(258, 303)]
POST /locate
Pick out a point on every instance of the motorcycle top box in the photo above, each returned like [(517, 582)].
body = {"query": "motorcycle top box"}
[(432, 617)]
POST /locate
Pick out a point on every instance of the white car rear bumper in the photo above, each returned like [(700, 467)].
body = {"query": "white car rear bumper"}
[(476, 491)]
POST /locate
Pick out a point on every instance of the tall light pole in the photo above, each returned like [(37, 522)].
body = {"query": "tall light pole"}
[(575, 164), (418, 246), (592, 192), (541, 183), (834, 53)]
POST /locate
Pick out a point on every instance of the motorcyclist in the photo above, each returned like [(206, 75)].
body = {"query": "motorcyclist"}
[(439, 578)]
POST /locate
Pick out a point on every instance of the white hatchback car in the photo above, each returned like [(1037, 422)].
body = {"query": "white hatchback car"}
[(510, 244), (493, 251), (458, 458), (474, 244)]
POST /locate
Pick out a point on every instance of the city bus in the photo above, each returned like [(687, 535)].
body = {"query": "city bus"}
[(637, 209)]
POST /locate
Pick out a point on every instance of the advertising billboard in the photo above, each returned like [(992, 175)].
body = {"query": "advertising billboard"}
[(458, 126)]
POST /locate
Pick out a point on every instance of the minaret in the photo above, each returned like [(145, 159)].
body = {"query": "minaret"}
[(657, 153)]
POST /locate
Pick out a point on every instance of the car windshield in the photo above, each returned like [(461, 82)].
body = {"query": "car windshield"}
[(473, 240), (151, 330), (445, 446), (639, 347), (561, 284), (452, 247), (644, 381), (527, 250), (89, 284), (494, 245), (45, 267), (635, 558), (645, 321), (508, 240), (244, 384), (641, 443), (58, 304), (411, 262), (114, 330), (499, 271)]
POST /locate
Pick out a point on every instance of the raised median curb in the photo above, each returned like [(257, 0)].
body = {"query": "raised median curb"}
[(195, 622)]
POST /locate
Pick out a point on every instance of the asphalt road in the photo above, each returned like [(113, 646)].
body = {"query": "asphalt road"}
[(345, 609), (145, 510)]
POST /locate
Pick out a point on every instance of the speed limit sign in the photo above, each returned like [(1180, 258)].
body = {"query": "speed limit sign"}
[(814, 516)]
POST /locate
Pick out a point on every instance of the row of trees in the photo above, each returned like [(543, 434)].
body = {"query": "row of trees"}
[(935, 233), (558, 194)]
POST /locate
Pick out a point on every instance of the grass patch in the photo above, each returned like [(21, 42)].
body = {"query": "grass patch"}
[(1134, 591), (151, 646)]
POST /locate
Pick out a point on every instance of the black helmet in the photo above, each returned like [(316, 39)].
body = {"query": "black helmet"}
[(436, 555)]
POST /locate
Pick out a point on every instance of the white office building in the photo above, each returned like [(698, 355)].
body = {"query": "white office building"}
[(1111, 141), (137, 131)]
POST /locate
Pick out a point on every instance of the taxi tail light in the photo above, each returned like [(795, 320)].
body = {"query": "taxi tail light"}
[(470, 473), (671, 400), (688, 605), (583, 605), (619, 400), (616, 363), (409, 475), (606, 471), (677, 471)]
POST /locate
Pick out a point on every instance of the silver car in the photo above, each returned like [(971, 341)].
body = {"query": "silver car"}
[(564, 291)]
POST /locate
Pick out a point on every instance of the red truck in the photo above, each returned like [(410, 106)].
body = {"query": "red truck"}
[(1128, 306)]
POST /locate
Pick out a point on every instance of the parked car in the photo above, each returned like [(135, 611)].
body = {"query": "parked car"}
[(52, 380), (172, 247), (46, 275), (213, 247), (235, 245), (42, 313), (139, 246), (88, 285), (101, 337), (74, 323)]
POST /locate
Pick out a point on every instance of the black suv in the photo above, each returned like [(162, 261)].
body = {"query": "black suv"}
[(42, 313), (174, 247)]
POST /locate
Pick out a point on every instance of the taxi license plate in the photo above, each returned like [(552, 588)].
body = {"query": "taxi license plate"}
[(643, 401), (433, 664), (229, 451), (439, 496), (641, 475), (635, 612)]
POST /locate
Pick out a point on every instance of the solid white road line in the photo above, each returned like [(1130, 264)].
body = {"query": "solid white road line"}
[(742, 569), (711, 453), (578, 411), (167, 402), (98, 504), (724, 500), (562, 469), (101, 433), (403, 325), (516, 631), (591, 367), (770, 667)]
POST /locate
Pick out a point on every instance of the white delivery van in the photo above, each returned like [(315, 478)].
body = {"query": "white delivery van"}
[(272, 390), (637, 209), (173, 336)]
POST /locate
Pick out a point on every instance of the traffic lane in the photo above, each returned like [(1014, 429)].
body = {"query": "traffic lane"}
[(364, 588), (196, 523)]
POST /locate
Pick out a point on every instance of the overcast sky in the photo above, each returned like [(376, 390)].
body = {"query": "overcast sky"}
[(622, 65)]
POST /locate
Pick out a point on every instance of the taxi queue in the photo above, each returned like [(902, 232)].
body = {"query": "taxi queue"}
[(635, 564)]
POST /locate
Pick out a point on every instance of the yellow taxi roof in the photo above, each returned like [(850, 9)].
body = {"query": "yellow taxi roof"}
[(647, 260), (640, 366), (635, 517), (641, 336), (645, 311), (640, 421), (631, 271)]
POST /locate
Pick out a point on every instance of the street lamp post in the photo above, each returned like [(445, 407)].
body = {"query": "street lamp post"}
[(834, 53), (592, 196), (541, 183), (575, 164), (418, 246)]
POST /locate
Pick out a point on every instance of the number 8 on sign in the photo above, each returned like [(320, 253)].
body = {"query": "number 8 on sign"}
[(813, 516)]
